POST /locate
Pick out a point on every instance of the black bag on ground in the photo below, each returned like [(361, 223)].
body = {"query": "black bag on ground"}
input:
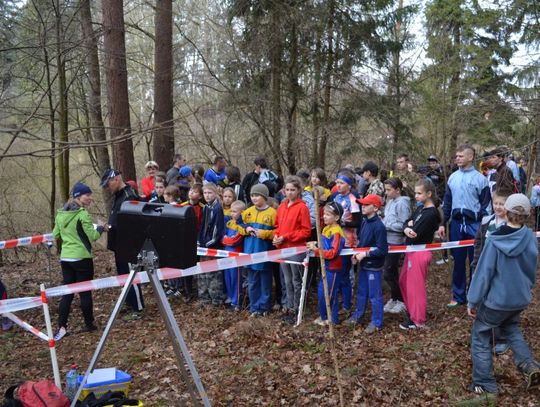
[(111, 398)]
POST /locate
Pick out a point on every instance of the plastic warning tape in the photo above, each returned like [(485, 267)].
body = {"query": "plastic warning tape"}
[(26, 241), (26, 326), (19, 304)]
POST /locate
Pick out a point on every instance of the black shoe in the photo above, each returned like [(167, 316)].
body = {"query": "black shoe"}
[(480, 390), (289, 319), (90, 328)]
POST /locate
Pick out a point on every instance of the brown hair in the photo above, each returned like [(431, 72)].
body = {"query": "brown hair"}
[(321, 174), (294, 180), (395, 183), (429, 186), (230, 190), (173, 191), (516, 218)]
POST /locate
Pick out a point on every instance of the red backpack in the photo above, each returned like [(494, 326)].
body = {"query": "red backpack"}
[(38, 394)]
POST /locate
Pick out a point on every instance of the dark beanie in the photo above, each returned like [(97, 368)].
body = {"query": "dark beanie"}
[(80, 189)]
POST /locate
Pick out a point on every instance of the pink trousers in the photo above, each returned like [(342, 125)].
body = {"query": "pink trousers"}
[(412, 283)]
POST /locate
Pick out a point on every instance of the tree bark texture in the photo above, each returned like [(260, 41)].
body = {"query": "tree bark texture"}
[(114, 45), (163, 137)]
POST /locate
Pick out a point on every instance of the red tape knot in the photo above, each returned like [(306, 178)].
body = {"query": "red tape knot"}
[(51, 343), (44, 299)]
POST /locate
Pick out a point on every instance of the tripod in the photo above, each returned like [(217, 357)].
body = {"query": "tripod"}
[(147, 261)]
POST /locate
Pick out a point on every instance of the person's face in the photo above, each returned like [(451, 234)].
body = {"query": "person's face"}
[(159, 188), (329, 217), (151, 171), (209, 195), (221, 164), (114, 184), (495, 161), (168, 197), (315, 179), (401, 164), (236, 213), (258, 200), (194, 195), (291, 192), (228, 198), (342, 187), (257, 169), (368, 210), (433, 164), (391, 193), (366, 175), (464, 158), (85, 200), (498, 207), (420, 194), (180, 162)]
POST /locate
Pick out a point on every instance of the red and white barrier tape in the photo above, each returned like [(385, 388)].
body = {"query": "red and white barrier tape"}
[(26, 241), (18, 304), (26, 326)]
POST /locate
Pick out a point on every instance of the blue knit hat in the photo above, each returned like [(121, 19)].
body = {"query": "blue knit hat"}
[(185, 171), (80, 189)]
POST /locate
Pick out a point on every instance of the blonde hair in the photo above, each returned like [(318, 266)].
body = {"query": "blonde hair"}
[(230, 190), (211, 186), (241, 205)]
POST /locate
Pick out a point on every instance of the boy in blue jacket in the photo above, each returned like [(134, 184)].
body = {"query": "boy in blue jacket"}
[(501, 288), (372, 234)]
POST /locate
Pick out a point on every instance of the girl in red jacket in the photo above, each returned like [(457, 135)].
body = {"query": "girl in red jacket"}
[(293, 228)]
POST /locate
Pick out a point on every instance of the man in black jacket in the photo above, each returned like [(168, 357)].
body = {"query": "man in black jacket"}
[(121, 192)]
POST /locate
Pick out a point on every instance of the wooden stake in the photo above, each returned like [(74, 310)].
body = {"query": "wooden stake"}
[(332, 338)]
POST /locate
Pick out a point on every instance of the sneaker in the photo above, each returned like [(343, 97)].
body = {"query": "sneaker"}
[(371, 328), (289, 319), (7, 324), (90, 328), (533, 379), (169, 292), (408, 325), (258, 314), (228, 300), (441, 262), (389, 305), (501, 348), (276, 307), (320, 322), (453, 304), (60, 334), (477, 389), (352, 321), (135, 315), (398, 307)]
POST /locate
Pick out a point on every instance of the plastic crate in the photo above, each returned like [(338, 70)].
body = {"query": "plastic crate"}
[(120, 383)]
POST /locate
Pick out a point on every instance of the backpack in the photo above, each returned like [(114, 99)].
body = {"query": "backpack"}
[(43, 393)]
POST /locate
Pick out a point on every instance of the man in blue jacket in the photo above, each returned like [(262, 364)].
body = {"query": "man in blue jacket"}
[(466, 202), (501, 288)]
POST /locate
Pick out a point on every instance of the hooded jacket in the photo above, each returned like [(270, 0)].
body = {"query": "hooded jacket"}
[(293, 223), (506, 271), (396, 213), (74, 227)]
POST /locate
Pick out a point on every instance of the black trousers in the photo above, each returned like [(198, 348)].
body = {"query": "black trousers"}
[(75, 272), (134, 297), (392, 265)]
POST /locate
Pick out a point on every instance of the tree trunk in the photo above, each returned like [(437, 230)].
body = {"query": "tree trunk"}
[(163, 147), (327, 85), (292, 151), (63, 157), (315, 107), (275, 61), (454, 95), (94, 79), (114, 46)]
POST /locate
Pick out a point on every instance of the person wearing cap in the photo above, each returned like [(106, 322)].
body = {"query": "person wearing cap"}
[(333, 241), (373, 236), (121, 192), (259, 221), (466, 201), (500, 290), (74, 232), (148, 182), (500, 178), (184, 181)]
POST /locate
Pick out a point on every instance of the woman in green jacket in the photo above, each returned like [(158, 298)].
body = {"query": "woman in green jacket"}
[(74, 230)]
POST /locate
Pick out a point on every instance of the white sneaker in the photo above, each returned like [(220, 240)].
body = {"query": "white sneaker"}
[(60, 334), (398, 307), (441, 262), (320, 322), (389, 305)]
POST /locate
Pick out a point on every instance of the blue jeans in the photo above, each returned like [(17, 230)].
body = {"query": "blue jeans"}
[(370, 286), (334, 282), (260, 290), (486, 320)]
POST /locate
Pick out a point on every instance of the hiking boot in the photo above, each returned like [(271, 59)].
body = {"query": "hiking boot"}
[(289, 319), (371, 328), (398, 307), (501, 348), (531, 371), (389, 305), (60, 334)]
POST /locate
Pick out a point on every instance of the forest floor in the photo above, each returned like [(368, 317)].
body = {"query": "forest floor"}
[(249, 362)]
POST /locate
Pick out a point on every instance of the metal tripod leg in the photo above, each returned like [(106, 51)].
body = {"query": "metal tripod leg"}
[(112, 318), (179, 345)]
